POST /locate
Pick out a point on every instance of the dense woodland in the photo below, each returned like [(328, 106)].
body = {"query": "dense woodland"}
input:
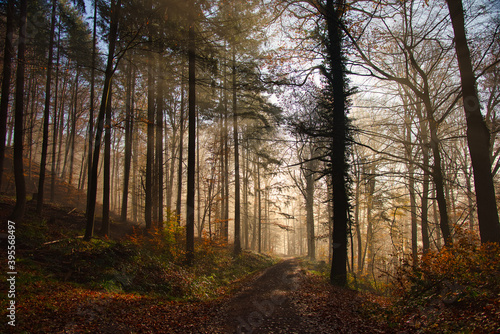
[(359, 133)]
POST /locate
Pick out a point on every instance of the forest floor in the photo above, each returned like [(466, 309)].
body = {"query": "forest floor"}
[(67, 285), (288, 298), (137, 283)]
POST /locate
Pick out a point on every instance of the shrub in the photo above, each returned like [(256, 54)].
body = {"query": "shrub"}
[(455, 288)]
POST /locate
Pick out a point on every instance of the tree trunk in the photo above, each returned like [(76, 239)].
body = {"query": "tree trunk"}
[(92, 97), (129, 126), (89, 230), (309, 192), (107, 166), (259, 232), (478, 135), (191, 148), (73, 129), (7, 72), (18, 211), (148, 204), (237, 218), (338, 145), (159, 143), (181, 150)]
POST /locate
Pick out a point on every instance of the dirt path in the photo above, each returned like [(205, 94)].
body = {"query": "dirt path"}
[(284, 299), (264, 305)]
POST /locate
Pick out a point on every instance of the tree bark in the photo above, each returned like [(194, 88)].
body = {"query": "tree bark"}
[(129, 125), (89, 230), (159, 143), (18, 211), (107, 167), (478, 135), (92, 97), (237, 204), (7, 72), (148, 204), (333, 14), (191, 149)]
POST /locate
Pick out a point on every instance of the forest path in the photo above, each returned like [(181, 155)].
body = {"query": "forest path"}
[(286, 298), (264, 305)]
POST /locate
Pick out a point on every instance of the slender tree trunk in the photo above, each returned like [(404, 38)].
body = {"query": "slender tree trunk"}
[(92, 97), (128, 140), (411, 186), (89, 231), (478, 135), (148, 205), (159, 143), (73, 129), (191, 149), (7, 73), (18, 211), (107, 166), (237, 204), (259, 232), (55, 126), (181, 150), (245, 196), (437, 176), (255, 207), (309, 198)]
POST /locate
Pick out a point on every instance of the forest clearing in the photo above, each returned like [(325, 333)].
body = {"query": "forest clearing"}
[(262, 166)]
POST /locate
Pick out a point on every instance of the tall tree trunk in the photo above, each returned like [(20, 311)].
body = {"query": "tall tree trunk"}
[(338, 145), (237, 204), (437, 176), (18, 211), (159, 142), (411, 186), (128, 140), (478, 135), (115, 9), (92, 97), (148, 205), (7, 72), (245, 196), (73, 129), (191, 148), (107, 166), (55, 120), (181, 150), (259, 232), (309, 198)]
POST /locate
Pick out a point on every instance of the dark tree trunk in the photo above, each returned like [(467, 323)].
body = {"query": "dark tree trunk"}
[(7, 72), (309, 198), (237, 218), (181, 157), (338, 145), (148, 204), (129, 125), (437, 176), (73, 129), (159, 144), (107, 166), (18, 211), (259, 214), (191, 148), (55, 120), (478, 135), (92, 97), (89, 230)]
